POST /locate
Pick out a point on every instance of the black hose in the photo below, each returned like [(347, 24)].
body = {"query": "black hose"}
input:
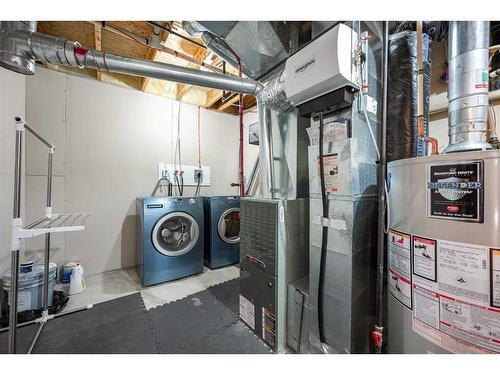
[(198, 185), (176, 180), (379, 302), (324, 235)]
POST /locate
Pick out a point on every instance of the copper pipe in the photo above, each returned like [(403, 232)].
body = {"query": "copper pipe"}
[(420, 124), (434, 144)]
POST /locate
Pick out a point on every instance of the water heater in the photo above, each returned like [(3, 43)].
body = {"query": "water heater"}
[(443, 247)]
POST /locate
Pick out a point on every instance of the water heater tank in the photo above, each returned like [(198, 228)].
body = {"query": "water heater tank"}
[(443, 250)]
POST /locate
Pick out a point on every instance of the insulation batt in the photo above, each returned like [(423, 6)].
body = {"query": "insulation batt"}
[(402, 129)]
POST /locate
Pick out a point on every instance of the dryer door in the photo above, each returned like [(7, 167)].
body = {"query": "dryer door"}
[(175, 234), (228, 226)]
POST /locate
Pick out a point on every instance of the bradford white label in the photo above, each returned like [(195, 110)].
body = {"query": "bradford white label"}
[(455, 191)]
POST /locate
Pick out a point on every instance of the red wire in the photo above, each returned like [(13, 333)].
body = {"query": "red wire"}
[(241, 109)]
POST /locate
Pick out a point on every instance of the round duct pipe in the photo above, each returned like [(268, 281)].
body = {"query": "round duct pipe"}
[(468, 86), (12, 50), (21, 47)]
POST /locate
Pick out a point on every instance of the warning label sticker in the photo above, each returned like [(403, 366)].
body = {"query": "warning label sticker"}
[(331, 172), (463, 271), (456, 294), (399, 262), (424, 258), (247, 312), (495, 277), (426, 308), (400, 288), (399, 252)]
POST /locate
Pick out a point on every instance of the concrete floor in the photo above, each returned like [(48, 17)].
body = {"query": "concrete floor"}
[(114, 284)]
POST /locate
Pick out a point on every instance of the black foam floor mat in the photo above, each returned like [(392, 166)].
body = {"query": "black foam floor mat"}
[(117, 326), (234, 339), (199, 323), (24, 337), (228, 293), (184, 323)]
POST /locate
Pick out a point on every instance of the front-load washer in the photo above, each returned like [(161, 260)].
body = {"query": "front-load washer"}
[(170, 238), (222, 230)]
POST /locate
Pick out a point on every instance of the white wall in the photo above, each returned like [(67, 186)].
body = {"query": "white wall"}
[(109, 141), (11, 105)]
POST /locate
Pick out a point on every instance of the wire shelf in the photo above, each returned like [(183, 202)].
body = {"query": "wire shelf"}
[(56, 223)]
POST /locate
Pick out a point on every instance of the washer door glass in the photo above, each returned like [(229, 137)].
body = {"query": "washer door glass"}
[(229, 226), (175, 234)]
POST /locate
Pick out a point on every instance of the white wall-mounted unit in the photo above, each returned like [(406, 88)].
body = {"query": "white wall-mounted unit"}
[(325, 65)]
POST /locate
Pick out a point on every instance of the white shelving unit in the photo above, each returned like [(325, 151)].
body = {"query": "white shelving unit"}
[(46, 225)]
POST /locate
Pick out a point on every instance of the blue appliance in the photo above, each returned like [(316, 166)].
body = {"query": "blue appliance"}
[(169, 238), (222, 230)]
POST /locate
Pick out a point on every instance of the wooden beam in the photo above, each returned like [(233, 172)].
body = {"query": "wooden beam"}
[(98, 46), (213, 96), (151, 55), (229, 102), (182, 88)]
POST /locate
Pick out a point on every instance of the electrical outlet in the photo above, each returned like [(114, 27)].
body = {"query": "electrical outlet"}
[(198, 175)]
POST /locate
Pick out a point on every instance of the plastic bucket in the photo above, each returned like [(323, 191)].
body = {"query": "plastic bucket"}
[(30, 287)]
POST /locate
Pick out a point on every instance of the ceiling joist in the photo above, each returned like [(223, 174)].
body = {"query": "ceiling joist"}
[(98, 47), (140, 39), (153, 52)]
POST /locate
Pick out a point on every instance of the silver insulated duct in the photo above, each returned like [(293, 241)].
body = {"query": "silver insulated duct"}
[(12, 54), (468, 85), (20, 47)]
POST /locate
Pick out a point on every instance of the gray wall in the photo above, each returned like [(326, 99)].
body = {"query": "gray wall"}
[(109, 141), (11, 105)]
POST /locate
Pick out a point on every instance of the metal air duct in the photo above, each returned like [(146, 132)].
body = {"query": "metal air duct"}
[(468, 86), (214, 43), (12, 55), (20, 47)]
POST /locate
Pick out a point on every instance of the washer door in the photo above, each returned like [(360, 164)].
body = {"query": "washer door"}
[(229, 226), (175, 234)]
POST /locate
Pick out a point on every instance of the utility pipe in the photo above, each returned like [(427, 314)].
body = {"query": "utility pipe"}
[(468, 44), (266, 162), (420, 95), (242, 164), (170, 30), (378, 331), (32, 46)]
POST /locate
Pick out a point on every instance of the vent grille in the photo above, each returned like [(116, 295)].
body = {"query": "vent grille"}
[(258, 233)]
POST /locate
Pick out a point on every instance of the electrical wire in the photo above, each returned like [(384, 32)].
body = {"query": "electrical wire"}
[(169, 29), (177, 156), (199, 174)]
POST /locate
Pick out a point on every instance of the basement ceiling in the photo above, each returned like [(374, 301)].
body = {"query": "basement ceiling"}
[(132, 38)]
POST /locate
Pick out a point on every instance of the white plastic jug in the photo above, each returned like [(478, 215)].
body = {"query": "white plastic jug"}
[(77, 281)]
